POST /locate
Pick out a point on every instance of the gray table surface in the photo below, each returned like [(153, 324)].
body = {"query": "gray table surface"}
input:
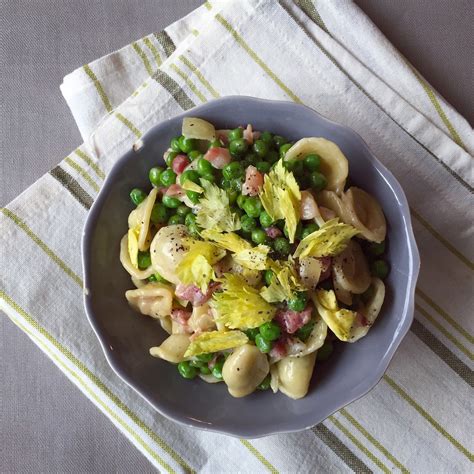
[(46, 424)]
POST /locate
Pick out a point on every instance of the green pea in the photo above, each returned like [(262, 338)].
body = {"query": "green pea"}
[(235, 134), (252, 158), (240, 200), (232, 170), (298, 303), (217, 369), (187, 370), (295, 166), (204, 357), (225, 183), (312, 162), (193, 230), (183, 210), (260, 148), (204, 166), (251, 333), (272, 157), (265, 219), (174, 145), (232, 195), (205, 370), (380, 269), (171, 202), (262, 344), (263, 166), (189, 175), (284, 148), (154, 175), (215, 143), (209, 177), (248, 223), (187, 144), (268, 277), (144, 260), (137, 196), (279, 140), (270, 331), (190, 219), (282, 246), (309, 229), (193, 196), (238, 147), (267, 137), (194, 155), (159, 213), (169, 157), (175, 220), (265, 383), (252, 206), (157, 277), (325, 351), (377, 249), (318, 180), (168, 177), (304, 332), (259, 236)]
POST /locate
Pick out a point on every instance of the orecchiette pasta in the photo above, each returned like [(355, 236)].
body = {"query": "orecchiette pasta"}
[(365, 214), (351, 270), (244, 369), (127, 264), (370, 311), (201, 319), (294, 375), (315, 340), (153, 299), (167, 250), (334, 164), (310, 272), (172, 348)]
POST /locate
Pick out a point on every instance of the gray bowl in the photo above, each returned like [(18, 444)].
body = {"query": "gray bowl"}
[(126, 336)]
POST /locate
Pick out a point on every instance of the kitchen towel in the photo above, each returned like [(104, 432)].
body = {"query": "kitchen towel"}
[(329, 56)]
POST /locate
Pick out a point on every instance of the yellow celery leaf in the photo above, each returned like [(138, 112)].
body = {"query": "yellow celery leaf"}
[(284, 284), (133, 235), (240, 306), (254, 258), (330, 240), (228, 240), (188, 185), (214, 210), (341, 321), (280, 196), (196, 266), (214, 341)]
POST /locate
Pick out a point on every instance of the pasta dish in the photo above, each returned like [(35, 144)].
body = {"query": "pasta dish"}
[(256, 255)]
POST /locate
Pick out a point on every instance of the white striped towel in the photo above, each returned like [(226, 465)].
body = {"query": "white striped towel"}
[(325, 54)]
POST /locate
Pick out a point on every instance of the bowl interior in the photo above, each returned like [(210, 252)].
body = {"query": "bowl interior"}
[(126, 336)]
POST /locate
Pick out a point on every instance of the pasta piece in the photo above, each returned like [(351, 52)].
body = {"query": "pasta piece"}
[(341, 294), (201, 319), (244, 369), (167, 250), (294, 375), (139, 283), (334, 164), (368, 314), (178, 328), (274, 379), (330, 200), (153, 299), (127, 264), (166, 324), (198, 128), (172, 348), (314, 342), (310, 271), (351, 270), (209, 378), (144, 237), (365, 214), (229, 265)]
